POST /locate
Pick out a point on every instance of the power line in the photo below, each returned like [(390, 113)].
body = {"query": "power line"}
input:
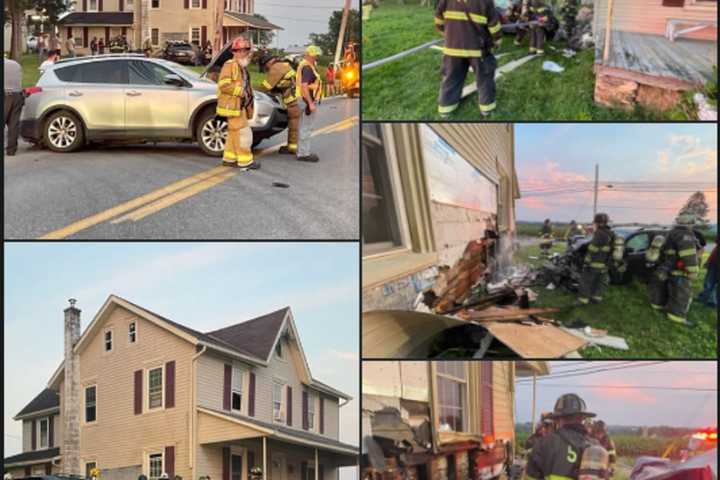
[(640, 387), (589, 371), (324, 22), (304, 6)]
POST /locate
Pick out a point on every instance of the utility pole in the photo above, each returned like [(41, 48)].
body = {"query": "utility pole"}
[(341, 36), (218, 30), (596, 190), (532, 421)]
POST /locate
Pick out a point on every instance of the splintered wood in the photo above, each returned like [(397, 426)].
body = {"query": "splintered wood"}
[(453, 285), (500, 314)]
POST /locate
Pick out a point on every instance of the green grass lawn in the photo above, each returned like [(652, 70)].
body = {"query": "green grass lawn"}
[(625, 312), (407, 89)]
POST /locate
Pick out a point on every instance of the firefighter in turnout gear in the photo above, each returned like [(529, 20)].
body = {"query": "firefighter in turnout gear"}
[(471, 29), (546, 241), (599, 432), (568, 453), (677, 266), (308, 90), (280, 81), (569, 13), (235, 102), (543, 429), (597, 260), (537, 12)]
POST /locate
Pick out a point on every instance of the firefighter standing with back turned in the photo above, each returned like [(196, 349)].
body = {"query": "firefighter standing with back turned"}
[(472, 29), (235, 102), (537, 12), (597, 261), (280, 80), (677, 263), (569, 452)]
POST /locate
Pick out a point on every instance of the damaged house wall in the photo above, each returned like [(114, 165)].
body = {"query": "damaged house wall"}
[(393, 414), (488, 150)]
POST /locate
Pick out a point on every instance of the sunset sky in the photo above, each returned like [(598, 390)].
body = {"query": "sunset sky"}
[(555, 160), (637, 405)]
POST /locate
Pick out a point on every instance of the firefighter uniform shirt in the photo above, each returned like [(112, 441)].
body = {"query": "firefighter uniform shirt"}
[(557, 456), (471, 27)]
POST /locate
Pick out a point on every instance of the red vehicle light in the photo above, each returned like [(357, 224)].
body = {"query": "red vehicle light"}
[(30, 90)]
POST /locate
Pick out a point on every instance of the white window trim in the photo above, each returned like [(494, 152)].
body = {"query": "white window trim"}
[(312, 400), (146, 391), (199, 7), (704, 5), (112, 340), (283, 401), (129, 5), (136, 333), (396, 188), (39, 430), (97, 6), (158, 37), (84, 410), (245, 388), (190, 30), (466, 400), (241, 452), (146, 460)]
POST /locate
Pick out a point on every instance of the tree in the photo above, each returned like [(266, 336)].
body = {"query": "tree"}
[(52, 9), (697, 205), (265, 37), (15, 12), (328, 41)]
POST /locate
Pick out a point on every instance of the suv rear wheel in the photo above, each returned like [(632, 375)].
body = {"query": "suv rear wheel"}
[(211, 132), (63, 132)]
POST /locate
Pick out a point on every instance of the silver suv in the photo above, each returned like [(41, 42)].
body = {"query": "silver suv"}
[(132, 98)]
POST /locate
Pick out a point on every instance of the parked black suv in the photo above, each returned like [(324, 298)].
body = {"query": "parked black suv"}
[(182, 52)]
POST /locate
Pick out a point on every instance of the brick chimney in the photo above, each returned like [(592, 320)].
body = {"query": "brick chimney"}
[(71, 394)]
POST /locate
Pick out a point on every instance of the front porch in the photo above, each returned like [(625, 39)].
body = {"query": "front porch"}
[(230, 446), (236, 24)]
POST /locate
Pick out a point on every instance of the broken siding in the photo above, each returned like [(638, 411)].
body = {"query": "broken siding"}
[(649, 16), (407, 379), (121, 439)]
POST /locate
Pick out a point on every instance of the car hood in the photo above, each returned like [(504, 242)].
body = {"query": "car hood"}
[(218, 60)]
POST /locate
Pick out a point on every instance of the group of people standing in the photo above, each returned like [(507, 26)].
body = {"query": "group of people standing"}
[(299, 88)]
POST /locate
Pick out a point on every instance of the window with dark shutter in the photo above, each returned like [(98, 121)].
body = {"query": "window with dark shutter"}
[(226, 463), (486, 400), (289, 406), (305, 410), (121, 6), (227, 381), (322, 414), (170, 384), (170, 461), (251, 395), (33, 435), (51, 440), (251, 461), (203, 29), (673, 3), (138, 391), (100, 5)]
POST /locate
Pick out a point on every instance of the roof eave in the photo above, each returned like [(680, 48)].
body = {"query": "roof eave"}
[(38, 413), (232, 353)]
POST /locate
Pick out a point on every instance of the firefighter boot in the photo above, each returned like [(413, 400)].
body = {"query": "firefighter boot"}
[(658, 291), (293, 124), (679, 298)]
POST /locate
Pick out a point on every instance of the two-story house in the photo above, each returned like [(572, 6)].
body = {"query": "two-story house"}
[(141, 394), (159, 20)]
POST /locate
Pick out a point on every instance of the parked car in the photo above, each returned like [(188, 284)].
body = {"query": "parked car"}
[(182, 52), (130, 97)]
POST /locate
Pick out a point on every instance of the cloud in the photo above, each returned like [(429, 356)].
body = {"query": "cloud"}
[(627, 394), (663, 161), (347, 356)]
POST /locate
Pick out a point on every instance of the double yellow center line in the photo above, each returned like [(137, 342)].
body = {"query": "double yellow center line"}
[(144, 205)]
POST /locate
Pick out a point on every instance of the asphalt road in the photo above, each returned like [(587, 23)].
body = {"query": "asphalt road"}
[(173, 191)]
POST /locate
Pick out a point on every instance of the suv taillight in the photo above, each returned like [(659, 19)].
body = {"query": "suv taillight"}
[(30, 90)]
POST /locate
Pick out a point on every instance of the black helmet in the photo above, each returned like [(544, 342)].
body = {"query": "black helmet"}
[(265, 58), (599, 426), (601, 219), (570, 404)]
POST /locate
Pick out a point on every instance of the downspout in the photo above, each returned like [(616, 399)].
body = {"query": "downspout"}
[(193, 411)]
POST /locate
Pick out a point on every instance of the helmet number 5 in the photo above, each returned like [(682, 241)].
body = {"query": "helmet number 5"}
[(572, 455)]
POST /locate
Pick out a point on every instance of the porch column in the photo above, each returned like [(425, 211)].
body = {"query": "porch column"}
[(316, 465), (264, 458)]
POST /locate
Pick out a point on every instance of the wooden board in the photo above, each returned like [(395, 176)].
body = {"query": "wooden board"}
[(401, 334), (493, 313), (535, 341)]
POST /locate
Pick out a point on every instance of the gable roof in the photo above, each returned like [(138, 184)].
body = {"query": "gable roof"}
[(253, 340), (45, 401)]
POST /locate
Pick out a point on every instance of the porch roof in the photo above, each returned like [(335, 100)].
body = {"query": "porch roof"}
[(30, 458), (216, 426), (235, 19), (97, 19)]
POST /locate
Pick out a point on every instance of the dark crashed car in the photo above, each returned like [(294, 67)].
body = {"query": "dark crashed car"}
[(182, 52)]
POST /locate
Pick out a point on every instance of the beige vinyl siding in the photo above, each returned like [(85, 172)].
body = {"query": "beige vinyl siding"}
[(649, 16), (407, 379), (503, 385), (210, 378), (171, 17), (119, 438), (27, 435), (58, 430)]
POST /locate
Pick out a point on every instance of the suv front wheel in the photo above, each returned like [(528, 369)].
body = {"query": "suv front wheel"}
[(211, 133), (63, 132)]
